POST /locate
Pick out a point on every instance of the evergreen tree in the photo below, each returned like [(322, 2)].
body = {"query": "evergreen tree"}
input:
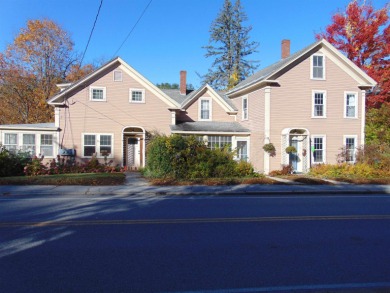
[(230, 45)]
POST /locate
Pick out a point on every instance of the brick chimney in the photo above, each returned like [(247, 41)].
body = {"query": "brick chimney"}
[(285, 48), (183, 82)]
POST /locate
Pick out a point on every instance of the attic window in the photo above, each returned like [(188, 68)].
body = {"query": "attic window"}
[(117, 75), (318, 67)]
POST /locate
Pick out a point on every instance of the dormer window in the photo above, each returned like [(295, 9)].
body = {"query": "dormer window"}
[(318, 67), (205, 109)]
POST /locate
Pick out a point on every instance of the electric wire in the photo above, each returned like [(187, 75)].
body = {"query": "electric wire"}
[(90, 35), (134, 26)]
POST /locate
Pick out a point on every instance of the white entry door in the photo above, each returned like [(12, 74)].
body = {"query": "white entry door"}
[(133, 152)]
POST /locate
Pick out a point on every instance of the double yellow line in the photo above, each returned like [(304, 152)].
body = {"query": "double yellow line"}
[(192, 221)]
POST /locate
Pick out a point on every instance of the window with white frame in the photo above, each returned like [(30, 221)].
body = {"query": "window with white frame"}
[(350, 148), (97, 93), (350, 103), (137, 96), (29, 143), (245, 108), (117, 75), (219, 141), (318, 67), (100, 144), (105, 145), (11, 142), (318, 149), (205, 109), (46, 145), (319, 104)]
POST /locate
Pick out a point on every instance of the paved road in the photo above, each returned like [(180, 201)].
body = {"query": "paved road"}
[(195, 244)]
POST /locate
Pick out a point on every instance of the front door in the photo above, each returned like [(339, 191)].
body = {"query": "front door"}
[(295, 158), (133, 152)]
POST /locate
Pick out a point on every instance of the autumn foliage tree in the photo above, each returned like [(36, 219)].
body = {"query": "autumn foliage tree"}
[(41, 56), (363, 34)]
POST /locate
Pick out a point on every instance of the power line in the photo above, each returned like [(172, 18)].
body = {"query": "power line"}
[(90, 35), (128, 35)]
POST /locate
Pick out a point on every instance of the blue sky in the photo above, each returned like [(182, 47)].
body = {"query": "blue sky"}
[(170, 35)]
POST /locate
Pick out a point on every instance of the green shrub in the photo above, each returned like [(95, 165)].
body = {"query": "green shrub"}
[(181, 157), (12, 164), (359, 170)]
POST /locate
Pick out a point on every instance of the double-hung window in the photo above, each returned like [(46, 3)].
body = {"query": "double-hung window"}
[(97, 94), (319, 149), (11, 142), (245, 108), (205, 109), (29, 143), (137, 96), (350, 108), (318, 67), (99, 144), (47, 145), (350, 148), (319, 104)]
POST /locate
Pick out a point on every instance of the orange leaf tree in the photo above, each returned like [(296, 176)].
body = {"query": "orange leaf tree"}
[(363, 34), (41, 56)]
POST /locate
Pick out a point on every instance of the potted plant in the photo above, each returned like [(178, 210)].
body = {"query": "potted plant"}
[(291, 149), (270, 149)]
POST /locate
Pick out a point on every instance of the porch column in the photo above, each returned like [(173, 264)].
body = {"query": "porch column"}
[(363, 103), (267, 125)]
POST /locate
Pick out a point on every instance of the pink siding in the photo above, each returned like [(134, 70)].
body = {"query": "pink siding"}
[(291, 107), (218, 113), (111, 116), (255, 124)]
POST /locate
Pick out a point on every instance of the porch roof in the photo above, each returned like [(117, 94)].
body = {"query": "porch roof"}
[(36, 126), (209, 126)]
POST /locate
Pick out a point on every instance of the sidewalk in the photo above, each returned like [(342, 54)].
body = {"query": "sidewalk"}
[(136, 185)]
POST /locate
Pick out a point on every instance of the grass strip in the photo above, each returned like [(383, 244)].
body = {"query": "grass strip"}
[(92, 179)]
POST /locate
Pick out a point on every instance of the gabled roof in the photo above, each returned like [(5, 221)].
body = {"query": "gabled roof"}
[(60, 97), (209, 126), (269, 73), (176, 95), (219, 96)]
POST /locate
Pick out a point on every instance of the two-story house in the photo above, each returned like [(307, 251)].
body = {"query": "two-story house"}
[(313, 100)]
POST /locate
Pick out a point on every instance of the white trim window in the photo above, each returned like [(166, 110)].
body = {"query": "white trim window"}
[(219, 141), (29, 143), (318, 149), (317, 67), (350, 148), (11, 142), (117, 75), (245, 108), (205, 109), (47, 144), (350, 105), (97, 93), (319, 104), (99, 144), (137, 96)]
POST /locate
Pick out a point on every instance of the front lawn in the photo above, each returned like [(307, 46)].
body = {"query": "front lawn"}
[(67, 179)]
